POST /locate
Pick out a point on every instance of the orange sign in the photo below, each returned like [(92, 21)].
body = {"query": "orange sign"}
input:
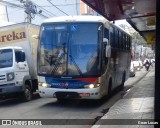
[(12, 36)]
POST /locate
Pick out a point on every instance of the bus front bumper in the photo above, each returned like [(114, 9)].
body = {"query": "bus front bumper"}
[(93, 93)]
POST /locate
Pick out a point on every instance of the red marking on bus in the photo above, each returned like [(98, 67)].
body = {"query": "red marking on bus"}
[(84, 94), (63, 84), (89, 80)]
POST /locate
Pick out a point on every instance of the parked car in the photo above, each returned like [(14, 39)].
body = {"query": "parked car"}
[(132, 70)]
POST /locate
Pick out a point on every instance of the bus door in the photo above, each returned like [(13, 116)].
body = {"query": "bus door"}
[(118, 56), (113, 58), (118, 68), (114, 68)]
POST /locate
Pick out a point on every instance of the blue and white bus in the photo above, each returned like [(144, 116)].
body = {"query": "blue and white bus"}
[(82, 57)]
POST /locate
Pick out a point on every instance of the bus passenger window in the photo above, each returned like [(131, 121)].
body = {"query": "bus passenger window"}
[(116, 38), (112, 39), (121, 40), (124, 41), (106, 33), (127, 42)]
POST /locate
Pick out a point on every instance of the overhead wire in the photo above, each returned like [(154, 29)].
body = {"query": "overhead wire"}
[(57, 7), (61, 5), (18, 6), (43, 16), (11, 4), (41, 7), (51, 14)]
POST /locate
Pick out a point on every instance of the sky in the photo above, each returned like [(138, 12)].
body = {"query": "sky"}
[(62, 8)]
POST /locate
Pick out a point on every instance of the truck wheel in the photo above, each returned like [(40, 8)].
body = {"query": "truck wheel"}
[(27, 94)]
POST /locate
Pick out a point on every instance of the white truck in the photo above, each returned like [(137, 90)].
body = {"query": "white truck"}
[(18, 51)]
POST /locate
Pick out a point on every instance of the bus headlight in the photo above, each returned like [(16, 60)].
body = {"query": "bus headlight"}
[(45, 85), (10, 76), (92, 86)]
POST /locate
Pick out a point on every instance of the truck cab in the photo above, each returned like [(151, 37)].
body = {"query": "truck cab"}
[(15, 78)]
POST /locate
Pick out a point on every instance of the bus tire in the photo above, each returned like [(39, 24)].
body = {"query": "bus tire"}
[(27, 94)]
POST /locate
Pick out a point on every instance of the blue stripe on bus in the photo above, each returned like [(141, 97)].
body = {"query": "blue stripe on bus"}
[(65, 83)]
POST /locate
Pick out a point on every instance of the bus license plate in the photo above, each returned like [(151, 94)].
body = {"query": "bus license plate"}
[(84, 94)]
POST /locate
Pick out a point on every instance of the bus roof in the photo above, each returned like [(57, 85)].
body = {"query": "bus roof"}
[(76, 19)]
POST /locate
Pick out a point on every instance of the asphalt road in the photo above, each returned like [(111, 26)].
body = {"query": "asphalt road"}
[(50, 108)]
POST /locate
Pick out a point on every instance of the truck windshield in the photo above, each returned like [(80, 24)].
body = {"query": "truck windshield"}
[(6, 58), (69, 49)]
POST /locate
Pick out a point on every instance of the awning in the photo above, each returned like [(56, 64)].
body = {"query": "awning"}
[(141, 14)]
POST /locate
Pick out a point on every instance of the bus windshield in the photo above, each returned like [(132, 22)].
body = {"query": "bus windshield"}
[(6, 58), (69, 49)]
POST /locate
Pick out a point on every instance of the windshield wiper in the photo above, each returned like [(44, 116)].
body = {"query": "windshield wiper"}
[(75, 64), (58, 62)]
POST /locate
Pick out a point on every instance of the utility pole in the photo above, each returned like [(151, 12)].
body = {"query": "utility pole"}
[(30, 10), (7, 13)]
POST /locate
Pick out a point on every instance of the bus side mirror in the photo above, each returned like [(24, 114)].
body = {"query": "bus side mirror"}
[(105, 41), (108, 47), (108, 51), (35, 36)]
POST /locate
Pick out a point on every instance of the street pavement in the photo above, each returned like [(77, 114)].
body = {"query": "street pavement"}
[(136, 108), (119, 106)]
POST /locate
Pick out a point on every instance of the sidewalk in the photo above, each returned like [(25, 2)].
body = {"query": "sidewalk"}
[(132, 110)]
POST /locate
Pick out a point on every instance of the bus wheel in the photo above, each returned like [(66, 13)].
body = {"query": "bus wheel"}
[(27, 94)]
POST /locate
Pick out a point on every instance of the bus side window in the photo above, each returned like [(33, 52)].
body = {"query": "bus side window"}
[(111, 39), (124, 42), (116, 38), (129, 43), (106, 35), (121, 40)]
